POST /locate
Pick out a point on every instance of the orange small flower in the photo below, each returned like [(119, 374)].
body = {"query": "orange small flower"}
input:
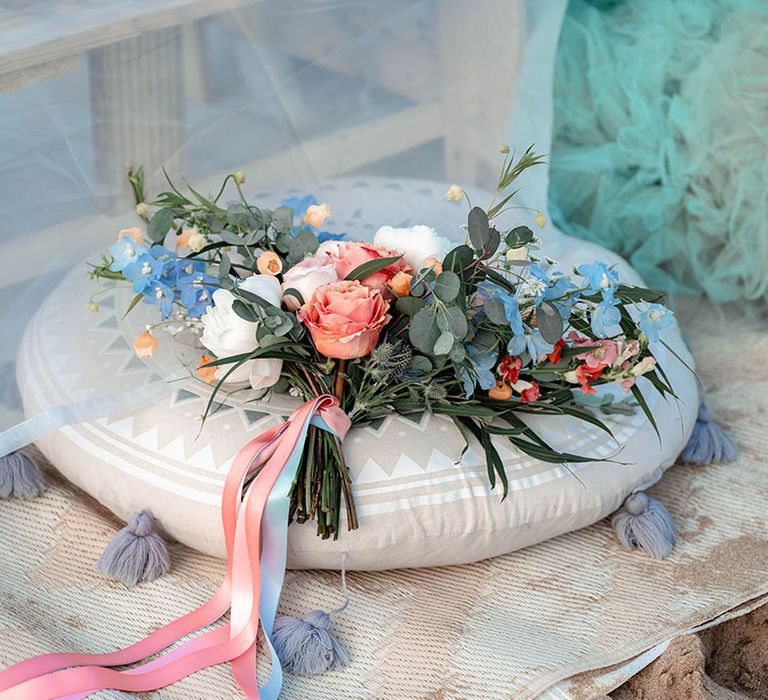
[(400, 284), (135, 234), (145, 344), (501, 392), (317, 214), (207, 374), (183, 239), (432, 262), (269, 263)]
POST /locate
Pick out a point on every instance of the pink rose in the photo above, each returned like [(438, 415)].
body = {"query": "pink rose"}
[(305, 277), (345, 319), (348, 256)]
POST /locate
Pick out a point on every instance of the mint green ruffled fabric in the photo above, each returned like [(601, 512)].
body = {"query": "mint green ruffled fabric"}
[(660, 143)]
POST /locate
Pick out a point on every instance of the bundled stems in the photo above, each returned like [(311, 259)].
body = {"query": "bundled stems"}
[(338, 386)]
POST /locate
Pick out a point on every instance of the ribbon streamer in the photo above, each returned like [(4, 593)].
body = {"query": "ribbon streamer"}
[(255, 518)]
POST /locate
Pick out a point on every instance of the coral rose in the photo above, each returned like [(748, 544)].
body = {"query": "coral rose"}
[(345, 319), (351, 255), (269, 263)]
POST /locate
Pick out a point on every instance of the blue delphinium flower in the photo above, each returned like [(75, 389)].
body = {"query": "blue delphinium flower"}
[(299, 204), (531, 340), (195, 292), (124, 252), (324, 236), (511, 310), (161, 295), (599, 278), (561, 295), (143, 271), (655, 319), (604, 316), (482, 363)]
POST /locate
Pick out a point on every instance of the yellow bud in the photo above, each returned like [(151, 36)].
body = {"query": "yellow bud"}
[(541, 219), (93, 307), (454, 193), (142, 209), (504, 149), (239, 177)]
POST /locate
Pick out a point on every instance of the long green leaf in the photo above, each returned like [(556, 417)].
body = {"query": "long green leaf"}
[(362, 272)]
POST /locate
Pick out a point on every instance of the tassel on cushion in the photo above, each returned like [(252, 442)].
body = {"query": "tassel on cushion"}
[(709, 443), (20, 477), (136, 553), (307, 647), (642, 522)]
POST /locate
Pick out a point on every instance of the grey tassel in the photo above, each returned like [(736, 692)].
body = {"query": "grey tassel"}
[(307, 647), (642, 522), (709, 443), (20, 477), (136, 553)]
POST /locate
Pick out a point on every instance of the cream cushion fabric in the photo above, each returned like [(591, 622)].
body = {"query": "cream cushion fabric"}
[(417, 506)]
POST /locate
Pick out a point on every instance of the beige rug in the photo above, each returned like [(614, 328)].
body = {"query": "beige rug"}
[(566, 618)]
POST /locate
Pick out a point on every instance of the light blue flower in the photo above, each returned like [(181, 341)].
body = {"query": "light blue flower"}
[(482, 363), (299, 204), (562, 291), (511, 310), (324, 236), (195, 292), (124, 252), (655, 319), (599, 278), (605, 316), (161, 295), (143, 271), (533, 342)]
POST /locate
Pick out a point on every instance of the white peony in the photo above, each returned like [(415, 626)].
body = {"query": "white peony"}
[(416, 243), (306, 277), (226, 334)]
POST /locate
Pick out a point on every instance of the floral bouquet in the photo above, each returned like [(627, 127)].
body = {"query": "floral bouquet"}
[(486, 331)]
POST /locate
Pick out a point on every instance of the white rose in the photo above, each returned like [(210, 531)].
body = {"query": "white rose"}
[(226, 334), (306, 277), (416, 243)]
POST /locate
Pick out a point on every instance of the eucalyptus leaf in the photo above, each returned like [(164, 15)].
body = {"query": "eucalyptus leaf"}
[(453, 320), (421, 364), (458, 354), (296, 294), (424, 331), (159, 224), (447, 286), (519, 236), (405, 305), (549, 321), (244, 311), (495, 312), (459, 260), (444, 343), (224, 265), (282, 219), (232, 238), (479, 230)]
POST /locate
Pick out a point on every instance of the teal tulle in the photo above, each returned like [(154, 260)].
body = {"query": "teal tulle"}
[(660, 143)]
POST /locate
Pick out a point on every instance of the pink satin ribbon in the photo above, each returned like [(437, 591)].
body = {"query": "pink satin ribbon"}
[(73, 676)]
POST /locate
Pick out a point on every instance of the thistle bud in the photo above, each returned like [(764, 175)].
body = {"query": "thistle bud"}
[(142, 210), (239, 177), (541, 219), (93, 307), (504, 149), (454, 193)]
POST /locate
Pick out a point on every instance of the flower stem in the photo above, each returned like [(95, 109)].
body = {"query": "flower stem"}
[(338, 387)]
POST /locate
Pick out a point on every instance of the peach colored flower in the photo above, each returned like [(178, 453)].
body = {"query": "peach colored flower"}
[(135, 234), (269, 263), (400, 284), (432, 262), (191, 238), (353, 254), (207, 374), (317, 214), (345, 319), (501, 392), (145, 344)]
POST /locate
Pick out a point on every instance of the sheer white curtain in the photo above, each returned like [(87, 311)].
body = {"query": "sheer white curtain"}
[(293, 92)]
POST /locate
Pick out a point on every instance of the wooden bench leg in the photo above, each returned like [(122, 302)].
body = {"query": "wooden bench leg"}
[(137, 111)]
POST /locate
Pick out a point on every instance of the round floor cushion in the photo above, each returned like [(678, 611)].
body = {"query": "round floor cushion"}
[(418, 504)]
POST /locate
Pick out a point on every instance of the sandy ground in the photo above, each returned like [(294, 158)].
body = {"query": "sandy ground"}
[(727, 662)]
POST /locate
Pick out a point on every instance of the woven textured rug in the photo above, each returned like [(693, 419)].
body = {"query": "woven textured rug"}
[(570, 618)]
